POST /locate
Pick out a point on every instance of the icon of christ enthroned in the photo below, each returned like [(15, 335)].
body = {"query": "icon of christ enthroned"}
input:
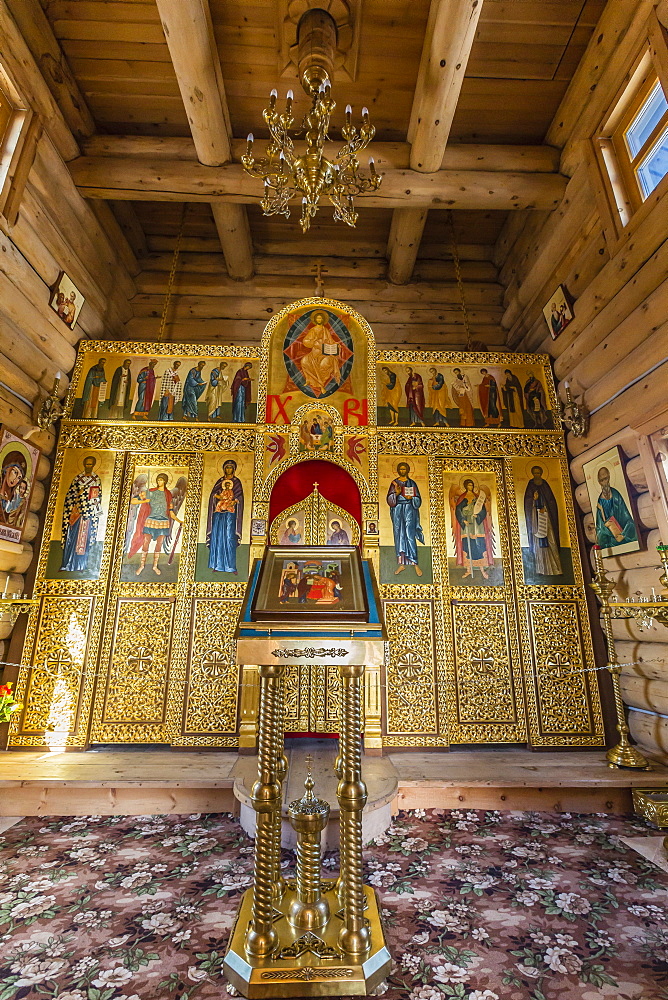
[(318, 354)]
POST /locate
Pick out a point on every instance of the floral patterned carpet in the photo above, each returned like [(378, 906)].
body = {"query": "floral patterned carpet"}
[(478, 905)]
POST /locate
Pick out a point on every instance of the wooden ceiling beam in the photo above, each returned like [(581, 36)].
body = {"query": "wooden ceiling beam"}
[(294, 264), (242, 306), (389, 335), (421, 294), (363, 250), (192, 48), (448, 41), (136, 179), (451, 29), (404, 242), (388, 155)]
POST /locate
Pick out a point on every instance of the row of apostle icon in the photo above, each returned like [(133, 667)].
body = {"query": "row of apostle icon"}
[(462, 396), (315, 354), (218, 389)]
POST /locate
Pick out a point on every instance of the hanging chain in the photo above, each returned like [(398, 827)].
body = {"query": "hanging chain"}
[(548, 675), (458, 274), (172, 276)]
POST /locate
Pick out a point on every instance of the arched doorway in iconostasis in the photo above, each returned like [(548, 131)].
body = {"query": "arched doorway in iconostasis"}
[(314, 502)]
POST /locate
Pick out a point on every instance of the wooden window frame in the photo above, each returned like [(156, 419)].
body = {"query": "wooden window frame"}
[(621, 205)]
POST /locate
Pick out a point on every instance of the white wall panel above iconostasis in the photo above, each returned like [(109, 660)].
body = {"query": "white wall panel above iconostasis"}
[(175, 466)]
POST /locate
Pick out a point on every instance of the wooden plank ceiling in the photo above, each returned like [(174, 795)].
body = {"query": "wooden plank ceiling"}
[(523, 56)]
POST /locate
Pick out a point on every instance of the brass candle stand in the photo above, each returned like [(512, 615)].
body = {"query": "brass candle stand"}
[(646, 613), (308, 817), (308, 936), (12, 607)]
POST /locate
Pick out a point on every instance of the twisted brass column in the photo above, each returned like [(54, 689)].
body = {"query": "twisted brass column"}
[(261, 939), (623, 754), (354, 937), (281, 771)]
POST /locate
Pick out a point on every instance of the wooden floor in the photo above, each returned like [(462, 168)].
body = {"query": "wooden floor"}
[(554, 782), (137, 783)]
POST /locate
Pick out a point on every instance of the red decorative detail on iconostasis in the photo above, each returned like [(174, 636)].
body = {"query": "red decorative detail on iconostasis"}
[(334, 484)]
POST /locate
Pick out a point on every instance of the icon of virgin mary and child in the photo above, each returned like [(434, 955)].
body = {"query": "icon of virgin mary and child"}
[(225, 520)]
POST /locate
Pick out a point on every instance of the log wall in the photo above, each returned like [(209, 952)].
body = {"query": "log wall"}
[(614, 352), (56, 230), (209, 307)]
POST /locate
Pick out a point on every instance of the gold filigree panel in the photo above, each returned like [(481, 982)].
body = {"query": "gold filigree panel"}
[(213, 681), (473, 443), (297, 687), (324, 699), (564, 704), (156, 437), (394, 357), (485, 676), (312, 698), (410, 682), (53, 687), (134, 708)]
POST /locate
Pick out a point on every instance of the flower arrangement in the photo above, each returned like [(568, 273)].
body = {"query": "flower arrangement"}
[(8, 704)]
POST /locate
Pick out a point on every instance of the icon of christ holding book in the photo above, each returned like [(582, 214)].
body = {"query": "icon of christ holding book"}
[(404, 501), (321, 365)]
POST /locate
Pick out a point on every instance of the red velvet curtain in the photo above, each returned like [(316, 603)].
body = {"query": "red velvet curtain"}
[(334, 484)]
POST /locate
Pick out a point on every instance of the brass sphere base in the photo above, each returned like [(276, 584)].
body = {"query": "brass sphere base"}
[(293, 972)]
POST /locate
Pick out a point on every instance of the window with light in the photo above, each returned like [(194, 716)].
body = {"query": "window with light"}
[(641, 141), (633, 143)]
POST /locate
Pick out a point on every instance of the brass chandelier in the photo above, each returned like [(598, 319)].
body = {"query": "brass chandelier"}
[(287, 174)]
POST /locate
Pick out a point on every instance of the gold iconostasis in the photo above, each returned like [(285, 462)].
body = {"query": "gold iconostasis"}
[(177, 464)]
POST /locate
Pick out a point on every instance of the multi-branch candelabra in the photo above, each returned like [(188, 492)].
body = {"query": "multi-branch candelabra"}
[(289, 174), (645, 613), (573, 415), (50, 409)]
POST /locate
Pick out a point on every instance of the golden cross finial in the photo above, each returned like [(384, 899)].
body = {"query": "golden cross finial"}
[(318, 270)]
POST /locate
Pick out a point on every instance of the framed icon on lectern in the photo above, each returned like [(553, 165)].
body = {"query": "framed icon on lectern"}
[(311, 583)]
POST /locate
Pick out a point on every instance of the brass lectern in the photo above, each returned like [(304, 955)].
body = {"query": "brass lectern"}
[(314, 605)]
